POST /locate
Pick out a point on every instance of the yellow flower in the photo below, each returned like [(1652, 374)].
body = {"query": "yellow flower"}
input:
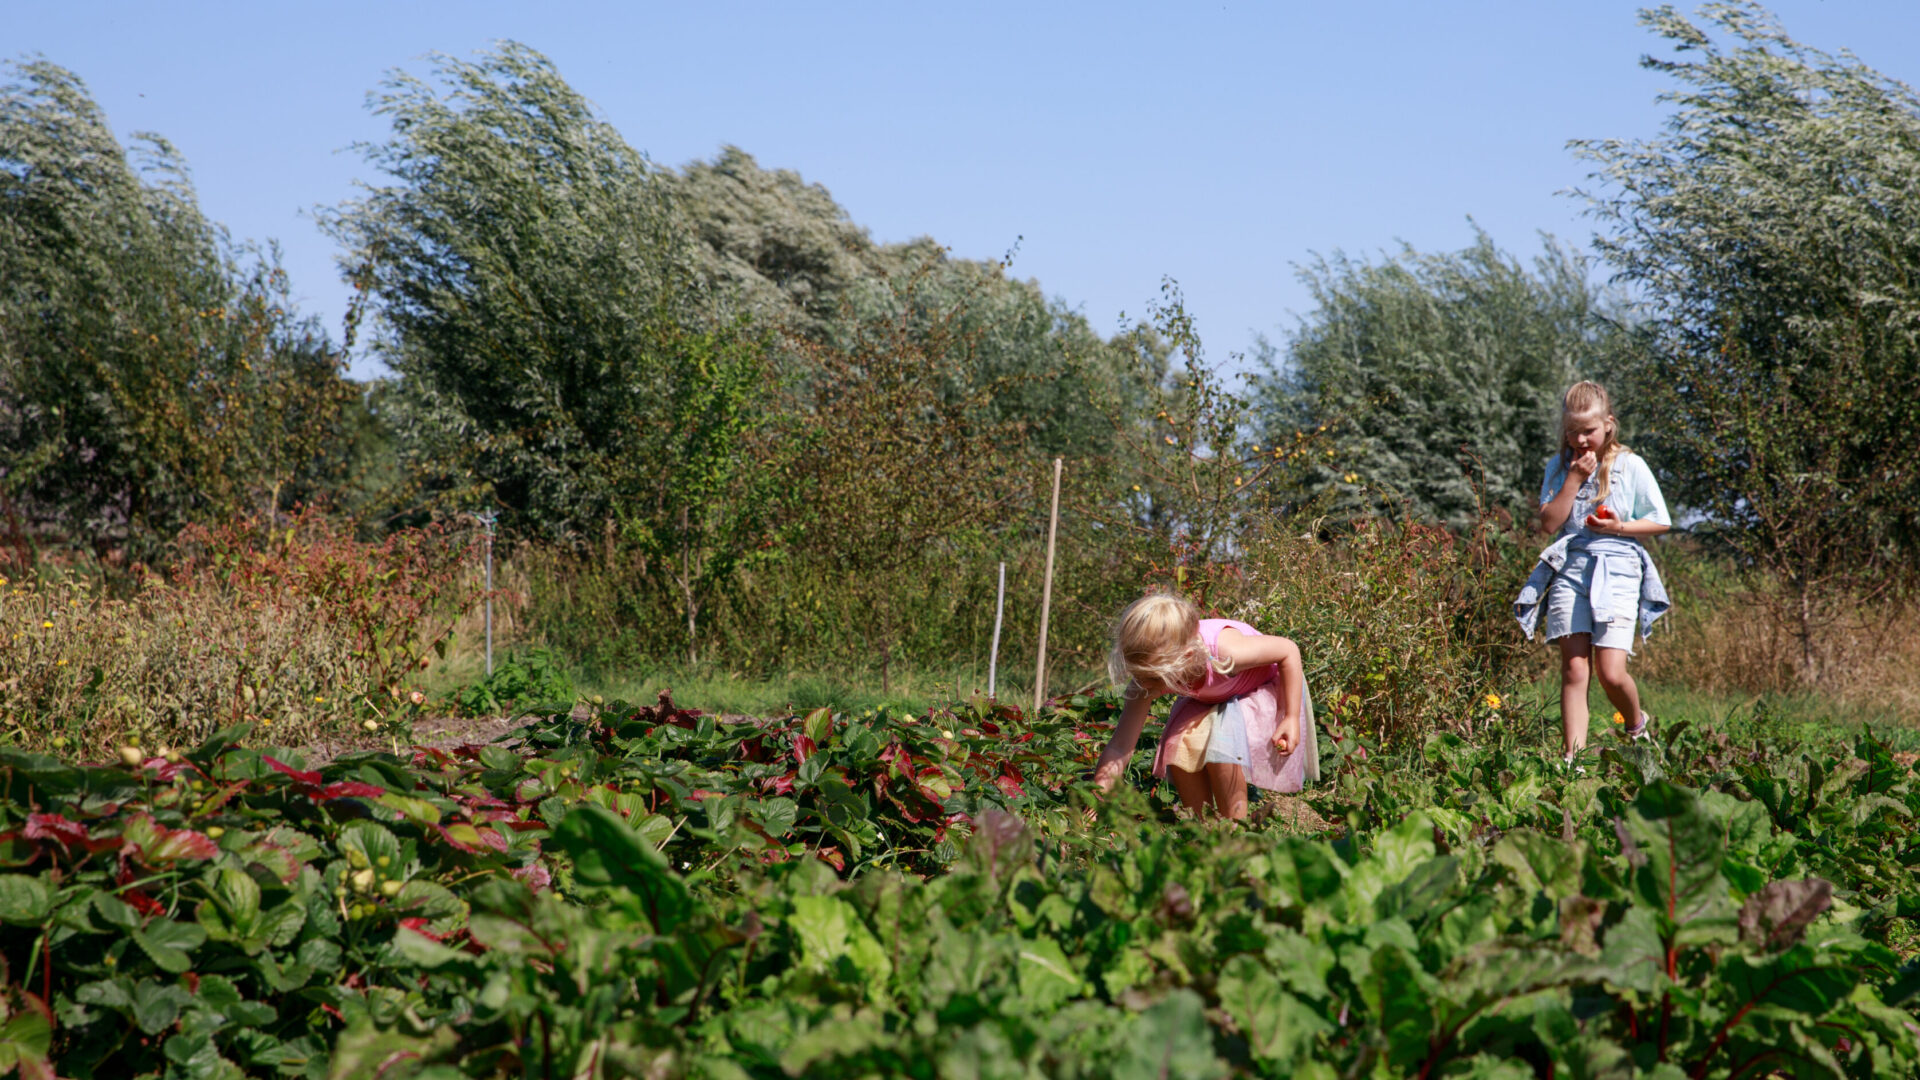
[(1136, 487), (318, 700), (264, 722), (1492, 699), (48, 625), (60, 663), (1618, 719), (1352, 477)]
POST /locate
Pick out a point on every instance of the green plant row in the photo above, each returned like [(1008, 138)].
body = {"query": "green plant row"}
[(651, 892)]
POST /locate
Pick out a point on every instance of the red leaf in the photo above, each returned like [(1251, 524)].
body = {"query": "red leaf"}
[(153, 843), (55, 827), (288, 770), (419, 926), (349, 789), (536, 876), (832, 857), (803, 748), (779, 785)]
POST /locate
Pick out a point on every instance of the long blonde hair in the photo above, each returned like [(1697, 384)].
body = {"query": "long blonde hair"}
[(1586, 399), (1157, 637)]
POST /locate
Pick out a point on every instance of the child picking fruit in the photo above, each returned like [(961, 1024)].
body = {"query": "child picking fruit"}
[(1596, 579), (1242, 713)]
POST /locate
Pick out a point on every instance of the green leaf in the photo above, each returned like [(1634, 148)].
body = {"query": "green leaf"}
[(157, 1005), (24, 901), (1682, 848), (608, 853), (167, 943), (1280, 1029), (1047, 978), (1171, 1038)]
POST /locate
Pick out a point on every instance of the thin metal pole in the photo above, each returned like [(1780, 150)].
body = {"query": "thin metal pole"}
[(1046, 596), (999, 608)]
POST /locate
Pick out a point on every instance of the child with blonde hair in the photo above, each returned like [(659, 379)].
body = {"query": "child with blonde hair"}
[(1241, 713), (1597, 579)]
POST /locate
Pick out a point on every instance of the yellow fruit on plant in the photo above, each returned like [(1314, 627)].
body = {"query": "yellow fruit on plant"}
[(131, 756), (215, 832), (362, 880), (389, 889)]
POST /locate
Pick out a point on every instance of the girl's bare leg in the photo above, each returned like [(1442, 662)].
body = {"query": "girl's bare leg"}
[(1611, 666), (1192, 786), (1229, 784), (1574, 652)]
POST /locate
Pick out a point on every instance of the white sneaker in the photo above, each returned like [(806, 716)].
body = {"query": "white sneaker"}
[(1642, 729)]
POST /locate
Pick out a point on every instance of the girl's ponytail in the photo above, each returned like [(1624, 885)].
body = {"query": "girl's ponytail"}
[(1586, 399)]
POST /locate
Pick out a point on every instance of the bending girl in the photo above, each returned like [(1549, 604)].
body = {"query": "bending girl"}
[(1242, 713)]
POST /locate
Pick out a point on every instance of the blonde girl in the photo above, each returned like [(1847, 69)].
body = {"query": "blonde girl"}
[(1241, 712), (1596, 579)]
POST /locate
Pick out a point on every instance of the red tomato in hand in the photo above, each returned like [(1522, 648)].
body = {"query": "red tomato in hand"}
[(1603, 513)]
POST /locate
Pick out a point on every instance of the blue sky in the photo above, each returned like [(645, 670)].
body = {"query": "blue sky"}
[(1219, 144)]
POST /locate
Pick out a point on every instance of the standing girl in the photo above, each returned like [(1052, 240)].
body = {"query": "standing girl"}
[(1596, 578), (1242, 712)]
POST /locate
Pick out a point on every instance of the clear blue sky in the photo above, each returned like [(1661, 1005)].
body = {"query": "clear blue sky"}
[(1216, 143)]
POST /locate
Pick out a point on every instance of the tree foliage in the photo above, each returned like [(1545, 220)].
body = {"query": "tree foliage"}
[(151, 373), (1773, 234), (1436, 375)]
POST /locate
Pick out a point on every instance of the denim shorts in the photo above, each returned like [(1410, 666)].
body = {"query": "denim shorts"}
[(1569, 611)]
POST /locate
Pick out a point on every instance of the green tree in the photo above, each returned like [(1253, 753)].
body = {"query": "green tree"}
[(151, 372), (1436, 376), (1773, 233), (783, 251)]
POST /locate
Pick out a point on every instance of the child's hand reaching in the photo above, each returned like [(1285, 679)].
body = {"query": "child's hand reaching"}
[(1286, 735)]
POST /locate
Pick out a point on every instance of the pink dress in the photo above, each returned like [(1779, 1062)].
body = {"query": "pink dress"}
[(1258, 691)]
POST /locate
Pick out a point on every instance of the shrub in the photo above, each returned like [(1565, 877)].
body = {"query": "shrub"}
[(301, 627), (1405, 628)]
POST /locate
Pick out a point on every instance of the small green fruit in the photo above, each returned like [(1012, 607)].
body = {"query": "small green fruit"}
[(362, 880), (390, 889), (215, 832)]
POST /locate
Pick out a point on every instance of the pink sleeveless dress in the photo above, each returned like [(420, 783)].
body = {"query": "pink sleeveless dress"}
[(1258, 693)]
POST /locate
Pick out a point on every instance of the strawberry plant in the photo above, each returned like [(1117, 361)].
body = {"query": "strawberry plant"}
[(649, 891)]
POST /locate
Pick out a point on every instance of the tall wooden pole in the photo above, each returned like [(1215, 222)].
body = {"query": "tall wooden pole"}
[(999, 609), (1046, 595)]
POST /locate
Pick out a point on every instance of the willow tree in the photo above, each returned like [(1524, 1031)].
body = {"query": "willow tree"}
[(555, 351), (1773, 232), (151, 372), (1433, 378)]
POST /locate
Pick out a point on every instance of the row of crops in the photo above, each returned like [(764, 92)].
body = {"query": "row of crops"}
[(650, 892)]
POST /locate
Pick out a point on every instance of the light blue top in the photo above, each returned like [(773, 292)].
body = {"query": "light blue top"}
[(1632, 492)]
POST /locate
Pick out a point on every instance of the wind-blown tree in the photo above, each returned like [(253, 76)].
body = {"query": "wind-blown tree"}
[(1436, 377), (782, 250), (554, 349), (151, 373), (1774, 233)]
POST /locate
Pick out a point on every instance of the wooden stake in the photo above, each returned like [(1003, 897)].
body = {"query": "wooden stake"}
[(999, 609), (1046, 596)]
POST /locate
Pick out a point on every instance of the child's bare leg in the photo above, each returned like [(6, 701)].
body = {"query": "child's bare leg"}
[(1229, 785), (1193, 788), (1574, 650), (1611, 666)]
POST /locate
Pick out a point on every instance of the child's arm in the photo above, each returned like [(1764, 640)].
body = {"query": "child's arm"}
[(1638, 527), (1250, 651), (1126, 735), (1553, 513)]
